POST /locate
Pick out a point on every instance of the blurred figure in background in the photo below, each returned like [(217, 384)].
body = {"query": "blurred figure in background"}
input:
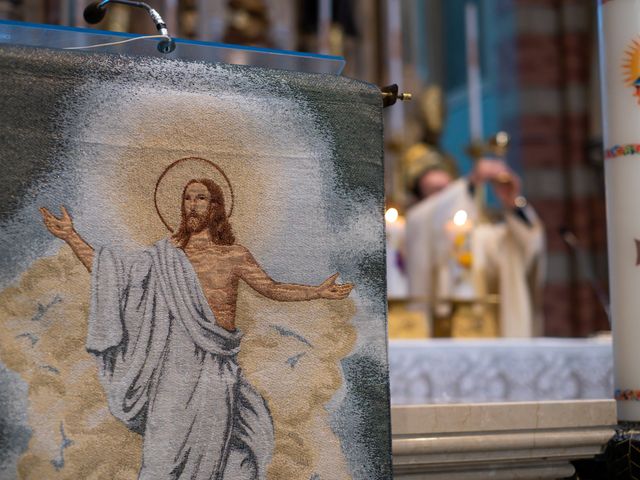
[(457, 255), (432, 181)]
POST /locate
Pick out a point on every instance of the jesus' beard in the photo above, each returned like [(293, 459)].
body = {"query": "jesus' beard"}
[(197, 222)]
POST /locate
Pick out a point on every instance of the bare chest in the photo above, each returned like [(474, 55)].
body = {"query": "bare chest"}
[(215, 269)]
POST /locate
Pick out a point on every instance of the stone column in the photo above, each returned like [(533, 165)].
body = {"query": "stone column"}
[(620, 72)]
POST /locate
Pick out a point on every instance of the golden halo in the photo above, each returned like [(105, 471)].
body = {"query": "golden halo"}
[(170, 187)]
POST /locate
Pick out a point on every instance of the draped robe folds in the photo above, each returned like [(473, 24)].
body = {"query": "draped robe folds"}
[(171, 373), (508, 254)]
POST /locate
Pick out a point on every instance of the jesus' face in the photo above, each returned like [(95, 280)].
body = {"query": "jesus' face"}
[(197, 205)]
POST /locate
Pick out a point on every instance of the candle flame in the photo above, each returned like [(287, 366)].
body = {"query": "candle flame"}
[(502, 139), (460, 218), (391, 215)]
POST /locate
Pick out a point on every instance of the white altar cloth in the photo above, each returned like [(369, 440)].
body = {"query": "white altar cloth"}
[(500, 370)]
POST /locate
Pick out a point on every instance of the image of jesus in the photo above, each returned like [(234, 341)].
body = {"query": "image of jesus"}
[(162, 324)]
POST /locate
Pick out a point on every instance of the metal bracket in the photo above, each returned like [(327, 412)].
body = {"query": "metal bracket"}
[(390, 95)]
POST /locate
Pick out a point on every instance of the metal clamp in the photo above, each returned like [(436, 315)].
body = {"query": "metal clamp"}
[(390, 95)]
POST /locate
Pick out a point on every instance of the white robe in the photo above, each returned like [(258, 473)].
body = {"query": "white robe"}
[(509, 255), (170, 373)]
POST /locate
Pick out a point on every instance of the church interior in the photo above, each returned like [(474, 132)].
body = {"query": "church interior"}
[(499, 284)]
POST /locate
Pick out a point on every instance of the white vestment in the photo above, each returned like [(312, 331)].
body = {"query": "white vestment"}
[(508, 255), (170, 373)]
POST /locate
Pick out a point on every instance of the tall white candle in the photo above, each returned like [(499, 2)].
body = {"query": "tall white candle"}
[(394, 122), (324, 25), (620, 74), (474, 78)]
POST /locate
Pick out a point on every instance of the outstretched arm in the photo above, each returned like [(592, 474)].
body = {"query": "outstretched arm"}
[(258, 279), (63, 229)]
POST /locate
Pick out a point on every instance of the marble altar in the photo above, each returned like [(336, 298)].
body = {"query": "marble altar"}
[(500, 370)]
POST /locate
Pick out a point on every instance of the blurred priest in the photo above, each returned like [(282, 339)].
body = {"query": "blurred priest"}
[(465, 257)]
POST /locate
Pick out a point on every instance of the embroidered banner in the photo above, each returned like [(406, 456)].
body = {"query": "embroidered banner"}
[(192, 269)]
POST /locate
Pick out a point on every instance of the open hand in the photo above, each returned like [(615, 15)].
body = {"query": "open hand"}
[(331, 290), (60, 227)]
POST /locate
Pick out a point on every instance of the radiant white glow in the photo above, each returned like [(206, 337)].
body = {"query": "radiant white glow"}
[(460, 218), (391, 215)]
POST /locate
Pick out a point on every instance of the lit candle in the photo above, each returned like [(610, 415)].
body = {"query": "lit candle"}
[(459, 263), (397, 282), (391, 216), (461, 221), (458, 227)]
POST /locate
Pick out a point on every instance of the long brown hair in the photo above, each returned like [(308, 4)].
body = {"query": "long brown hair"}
[(217, 221)]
